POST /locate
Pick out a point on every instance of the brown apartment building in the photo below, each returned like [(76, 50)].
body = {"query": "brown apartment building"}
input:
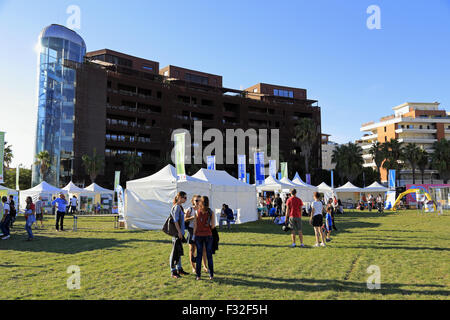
[(126, 104)]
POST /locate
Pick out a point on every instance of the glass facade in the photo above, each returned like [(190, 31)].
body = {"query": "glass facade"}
[(56, 102)]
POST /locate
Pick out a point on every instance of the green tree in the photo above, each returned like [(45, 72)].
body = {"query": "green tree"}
[(393, 153), (24, 178), (378, 157), (410, 155), (423, 161), (306, 135), (43, 161), (93, 165), (440, 158), (132, 165), (348, 160), (8, 155)]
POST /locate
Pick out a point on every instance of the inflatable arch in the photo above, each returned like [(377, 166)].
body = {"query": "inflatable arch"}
[(408, 192)]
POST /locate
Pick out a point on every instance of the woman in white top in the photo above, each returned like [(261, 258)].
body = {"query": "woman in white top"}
[(316, 220), (189, 218)]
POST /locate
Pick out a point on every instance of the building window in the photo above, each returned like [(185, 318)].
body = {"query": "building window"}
[(283, 93), (147, 68), (385, 139), (166, 73), (196, 78), (384, 129), (255, 90)]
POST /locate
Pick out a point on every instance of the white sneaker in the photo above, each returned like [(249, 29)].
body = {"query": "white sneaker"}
[(6, 238), (1, 234), (322, 244), (316, 245)]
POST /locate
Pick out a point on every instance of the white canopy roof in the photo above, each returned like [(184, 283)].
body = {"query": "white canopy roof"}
[(298, 181), (72, 188), (219, 177), (324, 187), (349, 187), (272, 184), (375, 187), (44, 187), (10, 191), (97, 189)]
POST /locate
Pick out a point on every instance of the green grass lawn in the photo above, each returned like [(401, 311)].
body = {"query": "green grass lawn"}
[(254, 261)]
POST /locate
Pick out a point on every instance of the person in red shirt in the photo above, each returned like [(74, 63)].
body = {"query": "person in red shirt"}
[(294, 207)]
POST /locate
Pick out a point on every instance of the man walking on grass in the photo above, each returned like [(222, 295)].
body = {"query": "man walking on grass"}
[(294, 216)]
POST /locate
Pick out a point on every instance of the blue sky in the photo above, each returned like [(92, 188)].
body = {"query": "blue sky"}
[(324, 46)]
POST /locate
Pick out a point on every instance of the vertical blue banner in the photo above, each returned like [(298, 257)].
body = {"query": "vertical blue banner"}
[(259, 168), (280, 176), (273, 168), (211, 160), (308, 178), (391, 179), (248, 178), (332, 178), (241, 167)]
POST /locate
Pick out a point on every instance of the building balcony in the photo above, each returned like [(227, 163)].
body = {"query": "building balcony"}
[(417, 140), (369, 165), (370, 137), (367, 156), (366, 146), (415, 130)]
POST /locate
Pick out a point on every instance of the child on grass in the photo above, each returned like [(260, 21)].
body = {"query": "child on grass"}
[(328, 225)]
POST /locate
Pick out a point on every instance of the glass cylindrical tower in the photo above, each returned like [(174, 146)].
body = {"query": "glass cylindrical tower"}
[(56, 102)]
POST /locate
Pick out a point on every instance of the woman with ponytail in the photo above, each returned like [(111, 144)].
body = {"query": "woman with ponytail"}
[(177, 213), (203, 225)]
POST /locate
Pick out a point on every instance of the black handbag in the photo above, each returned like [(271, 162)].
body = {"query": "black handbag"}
[(169, 227)]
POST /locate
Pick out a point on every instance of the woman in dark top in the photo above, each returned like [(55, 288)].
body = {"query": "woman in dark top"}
[(203, 225), (177, 213)]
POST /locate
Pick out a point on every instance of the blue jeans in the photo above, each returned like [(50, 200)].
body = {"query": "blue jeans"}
[(222, 220), (206, 241), (28, 228), (5, 225)]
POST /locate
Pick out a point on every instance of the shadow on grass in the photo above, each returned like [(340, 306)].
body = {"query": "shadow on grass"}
[(383, 247), (313, 285), (267, 227), (67, 245)]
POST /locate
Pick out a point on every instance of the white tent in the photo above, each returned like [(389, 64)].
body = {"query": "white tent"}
[(306, 190), (74, 190), (303, 191), (99, 190), (375, 187), (348, 192), (274, 185), (236, 194), (44, 190), (327, 191), (148, 200), (8, 191)]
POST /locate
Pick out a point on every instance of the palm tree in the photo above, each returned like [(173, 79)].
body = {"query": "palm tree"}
[(348, 160), (440, 158), (93, 165), (306, 135), (393, 155), (132, 165), (378, 157), (43, 161), (411, 155), (7, 155), (422, 162)]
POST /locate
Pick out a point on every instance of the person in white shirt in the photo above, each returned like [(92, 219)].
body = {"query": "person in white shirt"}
[(316, 220), (6, 219), (73, 204)]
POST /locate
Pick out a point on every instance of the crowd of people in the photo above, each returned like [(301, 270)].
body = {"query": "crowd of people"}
[(288, 210), (200, 223), (34, 214), (370, 203)]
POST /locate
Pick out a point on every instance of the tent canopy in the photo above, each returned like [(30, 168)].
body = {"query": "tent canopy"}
[(298, 181), (73, 189), (97, 189), (8, 190), (272, 184), (375, 187), (324, 187), (349, 187), (45, 187), (219, 177)]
